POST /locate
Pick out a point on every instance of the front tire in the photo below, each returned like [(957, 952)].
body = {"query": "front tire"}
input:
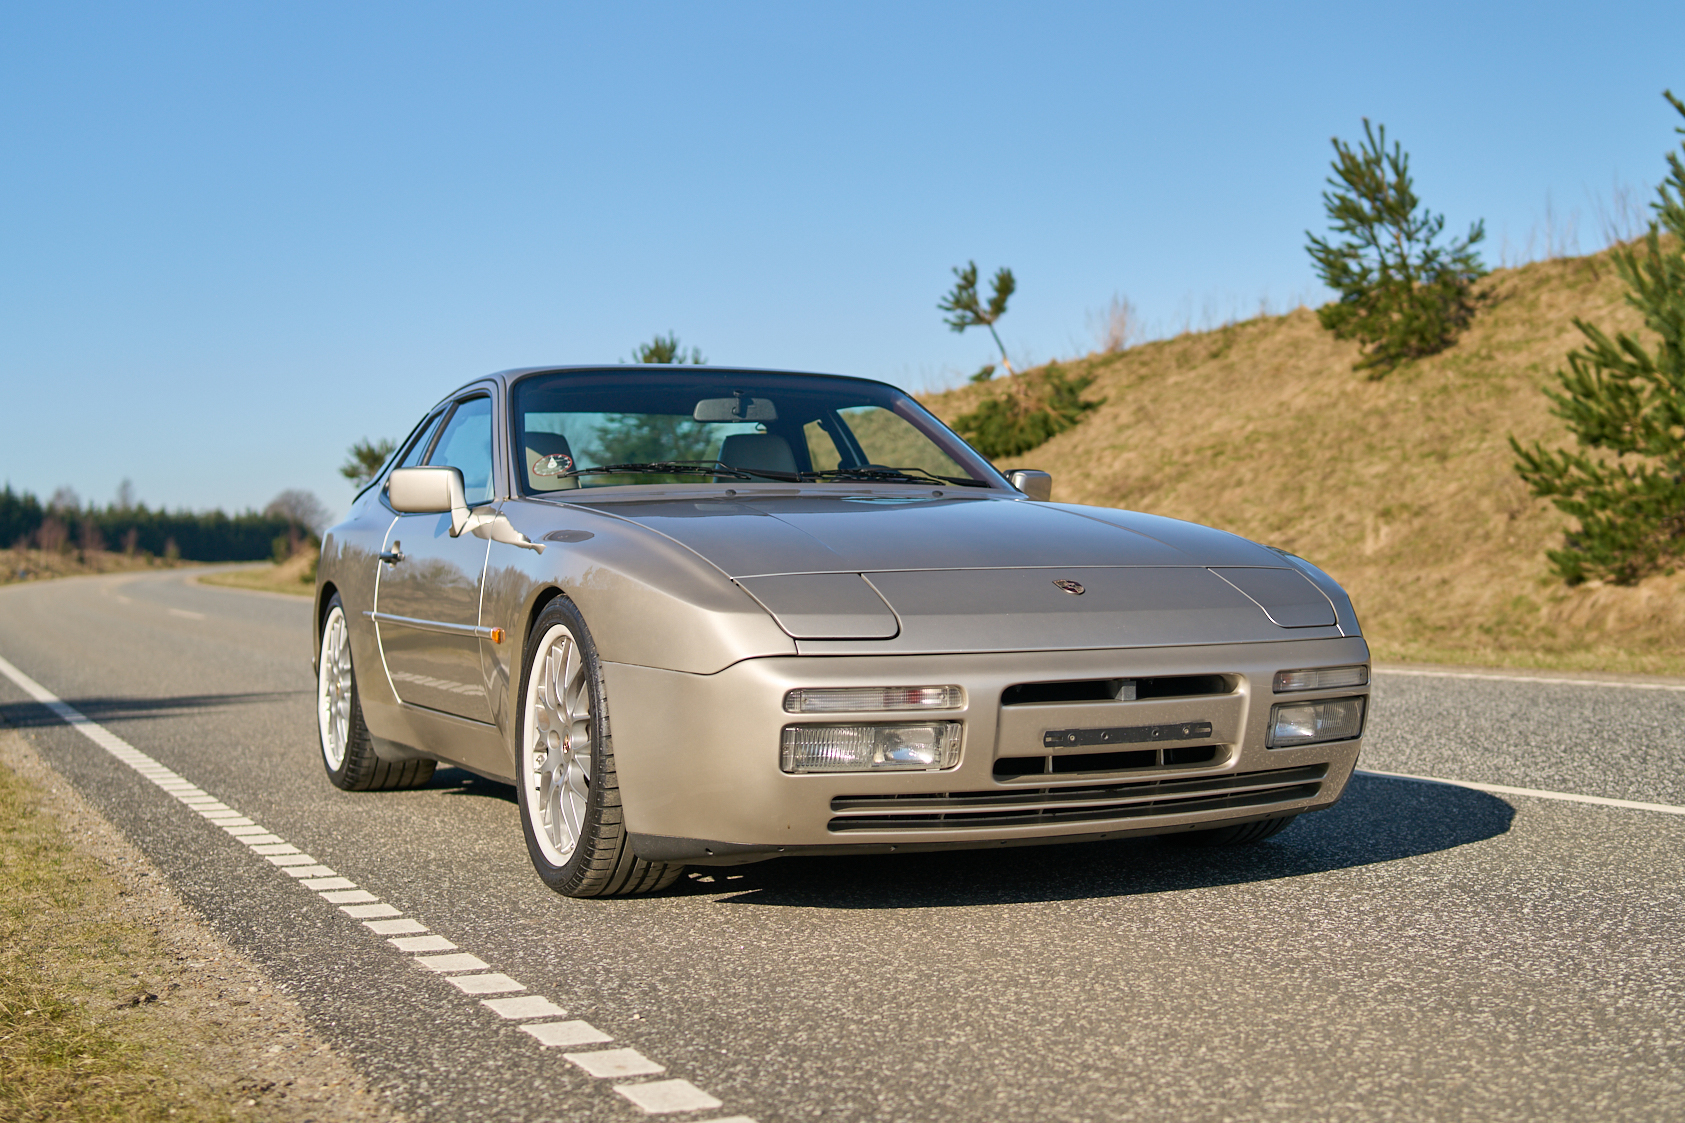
[(570, 796), (347, 747)]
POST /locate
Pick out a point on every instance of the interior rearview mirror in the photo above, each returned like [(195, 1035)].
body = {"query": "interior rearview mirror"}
[(1035, 484), (735, 409)]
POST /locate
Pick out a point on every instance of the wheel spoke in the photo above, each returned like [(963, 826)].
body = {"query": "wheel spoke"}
[(557, 746)]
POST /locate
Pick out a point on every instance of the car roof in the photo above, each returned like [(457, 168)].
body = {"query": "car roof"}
[(505, 377)]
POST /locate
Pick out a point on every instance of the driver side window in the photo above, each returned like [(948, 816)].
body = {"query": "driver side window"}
[(465, 444)]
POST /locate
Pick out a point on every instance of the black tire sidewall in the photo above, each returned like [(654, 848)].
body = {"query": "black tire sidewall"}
[(572, 874), (342, 776)]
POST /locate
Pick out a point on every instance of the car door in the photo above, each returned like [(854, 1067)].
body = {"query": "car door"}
[(427, 601)]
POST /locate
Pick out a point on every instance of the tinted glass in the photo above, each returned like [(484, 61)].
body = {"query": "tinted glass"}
[(465, 443), (418, 447), (655, 427)]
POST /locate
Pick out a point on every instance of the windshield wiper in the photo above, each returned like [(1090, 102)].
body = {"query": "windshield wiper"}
[(664, 468), (912, 475)]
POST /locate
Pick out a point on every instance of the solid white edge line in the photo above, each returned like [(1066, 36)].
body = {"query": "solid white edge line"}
[(1536, 793), (150, 769), (1529, 678)]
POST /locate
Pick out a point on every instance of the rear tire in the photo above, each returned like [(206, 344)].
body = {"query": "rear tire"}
[(347, 747), (1242, 834), (569, 792)]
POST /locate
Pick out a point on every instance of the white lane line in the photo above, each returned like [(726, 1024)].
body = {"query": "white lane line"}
[(556, 1034), (658, 1097), (452, 964), (422, 943), (186, 615), (653, 1097), (483, 984), (612, 1062), (1501, 789), (1531, 678), (526, 1006)]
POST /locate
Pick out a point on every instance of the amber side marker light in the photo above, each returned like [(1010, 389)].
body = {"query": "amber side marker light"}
[(497, 635)]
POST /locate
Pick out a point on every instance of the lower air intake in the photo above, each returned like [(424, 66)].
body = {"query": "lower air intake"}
[(1045, 806)]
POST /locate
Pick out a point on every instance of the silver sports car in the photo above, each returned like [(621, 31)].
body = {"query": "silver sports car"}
[(701, 616)]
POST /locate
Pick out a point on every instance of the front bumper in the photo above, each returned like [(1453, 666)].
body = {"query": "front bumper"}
[(697, 755)]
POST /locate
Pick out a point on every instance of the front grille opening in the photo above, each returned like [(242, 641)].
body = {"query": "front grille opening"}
[(1182, 686), (1182, 756), (1086, 690)]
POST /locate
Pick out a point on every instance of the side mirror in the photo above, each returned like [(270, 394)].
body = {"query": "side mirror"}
[(1037, 485), (429, 491)]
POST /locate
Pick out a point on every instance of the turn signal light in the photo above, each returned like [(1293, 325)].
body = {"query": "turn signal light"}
[(1321, 678), (872, 699)]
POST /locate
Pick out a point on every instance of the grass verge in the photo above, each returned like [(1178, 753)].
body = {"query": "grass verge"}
[(296, 575), (116, 1002)]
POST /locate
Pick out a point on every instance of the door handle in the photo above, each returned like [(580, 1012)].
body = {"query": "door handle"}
[(396, 556)]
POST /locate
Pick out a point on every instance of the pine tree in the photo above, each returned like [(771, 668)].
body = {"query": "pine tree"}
[(967, 310), (364, 459), (667, 349), (1625, 405), (1399, 294)]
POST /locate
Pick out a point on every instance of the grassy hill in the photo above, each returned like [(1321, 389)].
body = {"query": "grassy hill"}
[(1402, 489)]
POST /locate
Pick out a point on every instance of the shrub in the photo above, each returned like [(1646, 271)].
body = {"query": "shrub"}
[(1030, 409)]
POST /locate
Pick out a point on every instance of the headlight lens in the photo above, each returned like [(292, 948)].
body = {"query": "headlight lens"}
[(1321, 678), (872, 699), (1309, 723), (871, 748)]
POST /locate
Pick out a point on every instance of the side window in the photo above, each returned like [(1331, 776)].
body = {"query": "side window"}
[(822, 450), (418, 447), (890, 440), (465, 443)]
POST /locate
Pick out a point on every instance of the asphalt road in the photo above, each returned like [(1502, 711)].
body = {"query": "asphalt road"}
[(1421, 951)]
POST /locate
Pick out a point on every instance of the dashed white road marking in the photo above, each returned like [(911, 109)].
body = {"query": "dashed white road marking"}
[(186, 615), (553, 1034), (1536, 793), (467, 973), (658, 1097), (483, 984), (449, 964), (421, 943), (612, 1062), (526, 1006), (1530, 678)]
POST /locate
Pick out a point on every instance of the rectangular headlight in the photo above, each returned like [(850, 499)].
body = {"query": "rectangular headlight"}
[(1321, 678), (872, 699), (871, 748), (1310, 723)]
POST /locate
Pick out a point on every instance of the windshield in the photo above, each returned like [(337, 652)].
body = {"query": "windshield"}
[(615, 428)]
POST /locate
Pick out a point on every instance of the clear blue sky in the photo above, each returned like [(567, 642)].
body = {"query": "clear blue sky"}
[(235, 237)]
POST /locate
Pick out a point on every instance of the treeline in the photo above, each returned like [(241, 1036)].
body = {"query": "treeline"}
[(25, 523)]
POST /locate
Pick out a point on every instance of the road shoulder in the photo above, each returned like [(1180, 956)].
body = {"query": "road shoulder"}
[(112, 989)]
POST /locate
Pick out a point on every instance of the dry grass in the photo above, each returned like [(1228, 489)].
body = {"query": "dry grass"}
[(296, 575), (1402, 489), (36, 565), (118, 1003)]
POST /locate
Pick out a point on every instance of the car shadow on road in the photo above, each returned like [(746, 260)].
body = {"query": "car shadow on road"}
[(1379, 820), (35, 715)]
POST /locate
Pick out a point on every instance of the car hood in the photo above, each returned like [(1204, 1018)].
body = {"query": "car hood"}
[(923, 573), (751, 536)]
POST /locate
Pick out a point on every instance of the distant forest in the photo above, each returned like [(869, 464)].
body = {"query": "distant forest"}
[(27, 523)]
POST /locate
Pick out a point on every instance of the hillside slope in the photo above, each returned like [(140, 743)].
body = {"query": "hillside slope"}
[(1402, 489)]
